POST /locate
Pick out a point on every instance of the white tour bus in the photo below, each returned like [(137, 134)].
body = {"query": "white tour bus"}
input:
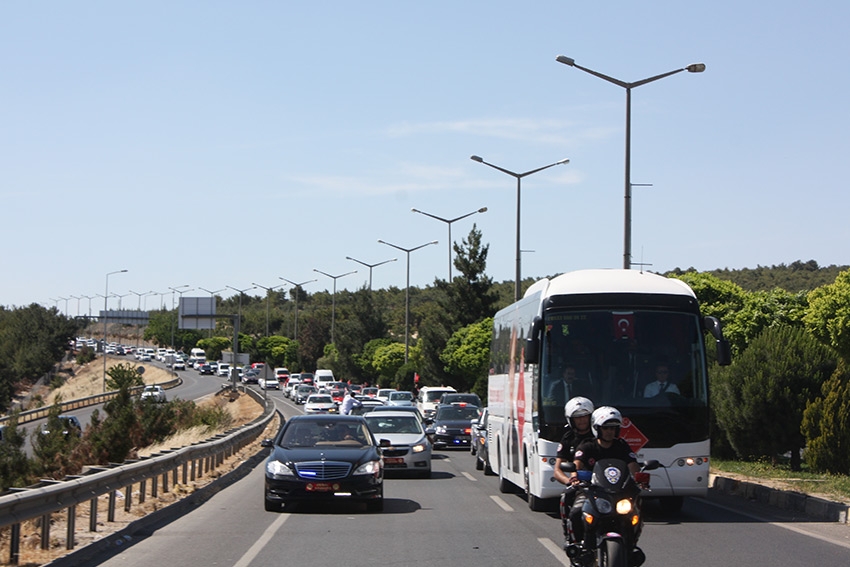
[(612, 327)]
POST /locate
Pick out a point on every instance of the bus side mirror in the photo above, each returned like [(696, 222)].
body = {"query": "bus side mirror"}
[(724, 351), (532, 343)]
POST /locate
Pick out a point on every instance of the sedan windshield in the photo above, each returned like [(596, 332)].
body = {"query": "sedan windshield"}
[(326, 433), (393, 424), (457, 413)]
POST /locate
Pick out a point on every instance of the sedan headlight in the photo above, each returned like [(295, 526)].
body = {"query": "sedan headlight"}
[(419, 447), (276, 468), (371, 467), (441, 429)]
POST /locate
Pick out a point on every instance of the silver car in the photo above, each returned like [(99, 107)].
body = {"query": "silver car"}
[(409, 449)]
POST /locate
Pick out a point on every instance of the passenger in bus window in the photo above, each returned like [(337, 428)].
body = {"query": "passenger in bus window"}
[(662, 384), (568, 387)]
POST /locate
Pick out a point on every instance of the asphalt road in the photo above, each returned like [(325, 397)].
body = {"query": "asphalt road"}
[(459, 518)]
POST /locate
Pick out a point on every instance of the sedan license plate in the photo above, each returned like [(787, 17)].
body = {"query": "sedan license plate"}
[(393, 460), (322, 487)]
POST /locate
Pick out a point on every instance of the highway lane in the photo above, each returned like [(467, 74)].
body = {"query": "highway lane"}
[(458, 517)]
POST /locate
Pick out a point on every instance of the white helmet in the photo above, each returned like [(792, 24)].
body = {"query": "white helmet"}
[(605, 415), (578, 407)]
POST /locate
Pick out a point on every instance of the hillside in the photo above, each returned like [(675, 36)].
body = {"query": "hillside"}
[(794, 277)]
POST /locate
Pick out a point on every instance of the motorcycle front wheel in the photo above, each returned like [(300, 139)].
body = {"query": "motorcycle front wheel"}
[(613, 553)]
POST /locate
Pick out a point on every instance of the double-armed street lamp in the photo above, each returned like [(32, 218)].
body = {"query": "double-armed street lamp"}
[(268, 298), (370, 266), (212, 296), (295, 289), (238, 323), (105, 320), (407, 292), (693, 68), (518, 177), (449, 222), (333, 299)]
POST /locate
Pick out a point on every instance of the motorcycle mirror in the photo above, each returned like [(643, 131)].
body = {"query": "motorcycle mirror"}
[(568, 466), (652, 465)]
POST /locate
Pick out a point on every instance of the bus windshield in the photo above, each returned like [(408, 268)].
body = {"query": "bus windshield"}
[(649, 364)]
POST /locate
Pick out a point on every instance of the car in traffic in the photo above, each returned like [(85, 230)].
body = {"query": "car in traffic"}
[(413, 410), (205, 369), (178, 364), (223, 369), (370, 391), (429, 398), (367, 404), (153, 393), (291, 384), (320, 403), (271, 383), (71, 426), (323, 458), (460, 398), (409, 449), (479, 446), (302, 392), (383, 394), (251, 376), (452, 426), (400, 398)]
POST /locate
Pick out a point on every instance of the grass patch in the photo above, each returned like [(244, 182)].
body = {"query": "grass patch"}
[(801, 481)]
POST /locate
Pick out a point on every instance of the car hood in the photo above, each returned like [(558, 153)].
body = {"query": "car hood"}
[(356, 455)]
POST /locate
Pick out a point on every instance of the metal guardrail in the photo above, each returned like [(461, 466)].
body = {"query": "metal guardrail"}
[(180, 465), (42, 412)]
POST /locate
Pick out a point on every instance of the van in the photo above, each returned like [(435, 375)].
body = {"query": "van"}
[(198, 354), (429, 399), (323, 378)]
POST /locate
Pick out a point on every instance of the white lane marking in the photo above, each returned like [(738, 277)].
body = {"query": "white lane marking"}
[(553, 548), (469, 476), (261, 542), (502, 504), (785, 526)]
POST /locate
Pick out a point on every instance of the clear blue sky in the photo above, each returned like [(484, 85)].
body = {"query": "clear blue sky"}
[(218, 144)]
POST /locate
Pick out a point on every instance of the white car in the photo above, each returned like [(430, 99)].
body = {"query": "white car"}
[(269, 383), (223, 369), (400, 398), (410, 449), (178, 364), (320, 403), (384, 394), (153, 393)]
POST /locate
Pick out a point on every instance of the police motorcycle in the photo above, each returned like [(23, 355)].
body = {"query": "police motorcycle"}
[(611, 514)]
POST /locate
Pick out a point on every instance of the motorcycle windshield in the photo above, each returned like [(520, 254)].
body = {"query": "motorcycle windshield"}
[(611, 475)]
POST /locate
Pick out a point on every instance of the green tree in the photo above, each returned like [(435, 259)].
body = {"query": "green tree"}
[(123, 377), (214, 346), (826, 425), (278, 351), (14, 464), (828, 316), (760, 400), (52, 446), (365, 360), (467, 356), (387, 362), (471, 296)]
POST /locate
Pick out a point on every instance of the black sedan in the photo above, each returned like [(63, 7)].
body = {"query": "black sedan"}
[(324, 457), (452, 426)]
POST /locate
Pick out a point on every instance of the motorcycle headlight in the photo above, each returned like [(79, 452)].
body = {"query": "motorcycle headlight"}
[(419, 447), (371, 467), (624, 506), (441, 429), (276, 468)]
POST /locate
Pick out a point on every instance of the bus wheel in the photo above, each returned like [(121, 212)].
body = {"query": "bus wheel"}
[(534, 503)]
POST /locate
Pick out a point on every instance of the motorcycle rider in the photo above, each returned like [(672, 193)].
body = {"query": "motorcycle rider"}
[(606, 422), (577, 411)]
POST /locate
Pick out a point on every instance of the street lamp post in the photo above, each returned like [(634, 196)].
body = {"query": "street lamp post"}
[(179, 289), (78, 298), (268, 297), (89, 297), (212, 296), (333, 297), (238, 324), (65, 299), (407, 293), (518, 177), (296, 286), (449, 222), (105, 320), (370, 266), (693, 68)]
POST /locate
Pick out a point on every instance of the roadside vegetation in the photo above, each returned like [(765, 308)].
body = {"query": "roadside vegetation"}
[(787, 391)]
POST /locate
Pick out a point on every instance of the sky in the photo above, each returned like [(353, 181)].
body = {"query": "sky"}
[(217, 145)]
